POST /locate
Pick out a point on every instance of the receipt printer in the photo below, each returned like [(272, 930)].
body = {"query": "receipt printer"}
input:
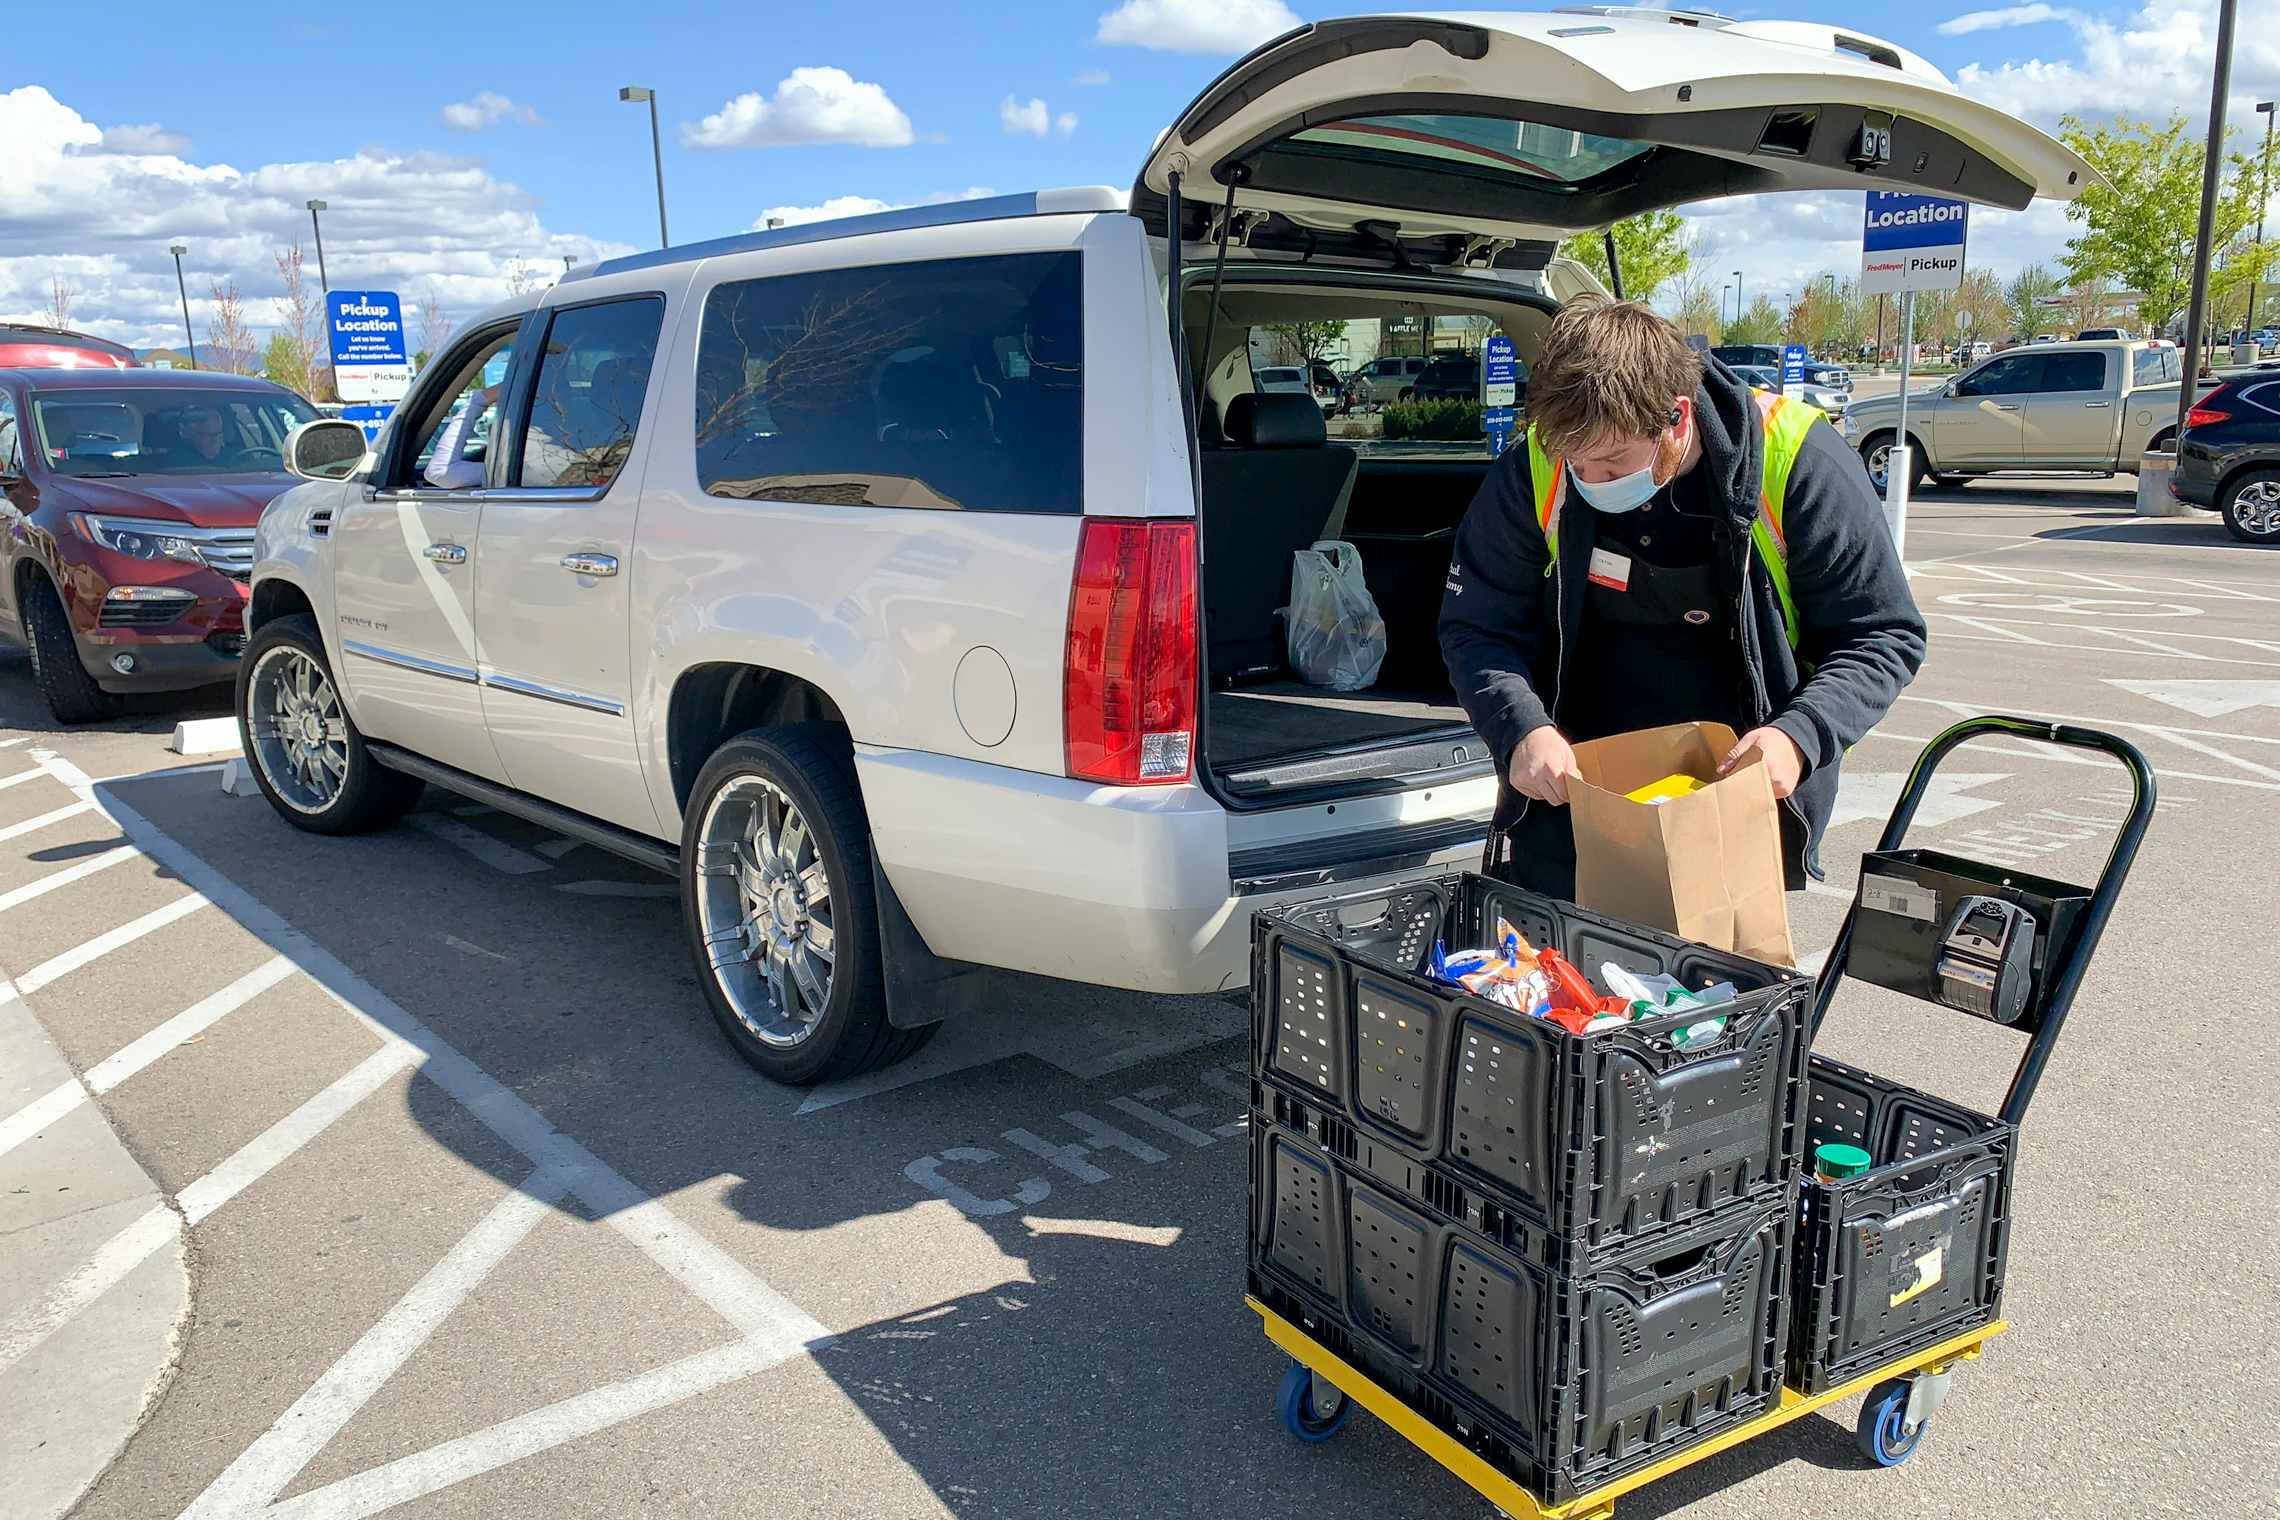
[(1986, 959)]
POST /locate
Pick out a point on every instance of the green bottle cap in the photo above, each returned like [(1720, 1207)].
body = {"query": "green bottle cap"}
[(1836, 1162)]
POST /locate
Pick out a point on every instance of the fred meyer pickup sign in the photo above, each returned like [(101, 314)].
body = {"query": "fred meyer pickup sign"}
[(1911, 242), (371, 361)]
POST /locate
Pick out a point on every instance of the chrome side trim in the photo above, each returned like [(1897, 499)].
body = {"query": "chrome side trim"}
[(545, 693), (403, 661), (540, 496)]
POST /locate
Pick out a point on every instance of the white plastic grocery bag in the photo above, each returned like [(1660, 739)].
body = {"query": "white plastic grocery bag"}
[(1336, 638)]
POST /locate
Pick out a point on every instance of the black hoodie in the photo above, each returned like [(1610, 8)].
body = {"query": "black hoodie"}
[(1507, 628)]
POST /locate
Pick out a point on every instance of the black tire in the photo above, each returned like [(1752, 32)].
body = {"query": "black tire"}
[(370, 795), (813, 765), (1409, 393), (2245, 513), (71, 692)]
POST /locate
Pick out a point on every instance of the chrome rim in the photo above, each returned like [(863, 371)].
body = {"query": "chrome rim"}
[(2256, 507), (300, 735), (1879, 462), (764, 902)]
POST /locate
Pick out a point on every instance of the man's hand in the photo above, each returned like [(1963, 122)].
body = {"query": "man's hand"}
[(1542, 765), (1784, 765)]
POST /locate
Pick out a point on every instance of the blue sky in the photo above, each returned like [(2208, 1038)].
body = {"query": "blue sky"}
[(453, 141)]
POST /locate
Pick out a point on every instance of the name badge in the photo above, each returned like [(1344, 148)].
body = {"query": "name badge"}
[(1610, 570)]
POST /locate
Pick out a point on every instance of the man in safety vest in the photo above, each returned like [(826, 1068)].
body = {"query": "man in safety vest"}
[(1669, 547)]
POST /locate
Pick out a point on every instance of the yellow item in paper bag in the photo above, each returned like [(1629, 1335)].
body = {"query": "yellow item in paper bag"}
[(1656, 793)]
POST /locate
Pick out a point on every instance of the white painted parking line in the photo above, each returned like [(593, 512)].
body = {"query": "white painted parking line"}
[(259, 1156), (78, 871), (109, 1072), (20, 777), (495, 853), (2206, 699), (112, 1261), (263, 1470), (17, 830), (2201, 648), (58, 966)]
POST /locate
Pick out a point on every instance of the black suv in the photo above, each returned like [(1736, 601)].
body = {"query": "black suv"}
[(1450, 377), (2229, 456)]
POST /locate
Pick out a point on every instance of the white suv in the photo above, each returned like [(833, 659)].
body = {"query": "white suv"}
[(910, 585)]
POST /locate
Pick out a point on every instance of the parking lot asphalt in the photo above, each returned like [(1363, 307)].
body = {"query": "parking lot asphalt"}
[(484, 1219)]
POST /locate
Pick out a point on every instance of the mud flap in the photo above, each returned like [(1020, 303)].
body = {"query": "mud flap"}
[(922, 987)]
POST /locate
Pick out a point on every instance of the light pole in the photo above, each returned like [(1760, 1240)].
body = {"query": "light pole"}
[(1723, 292), (2212, 168), (637, 92), (1737, 298), (179, 249), (2263, 195), (324, 284)]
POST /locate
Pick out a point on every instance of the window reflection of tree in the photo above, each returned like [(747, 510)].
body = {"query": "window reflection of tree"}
[(590, 448), (773, 381)]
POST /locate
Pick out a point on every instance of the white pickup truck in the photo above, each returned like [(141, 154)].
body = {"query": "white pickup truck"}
[(2092, 407)]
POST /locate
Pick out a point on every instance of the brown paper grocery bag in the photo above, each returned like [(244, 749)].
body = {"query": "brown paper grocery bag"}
[(1707, 866)]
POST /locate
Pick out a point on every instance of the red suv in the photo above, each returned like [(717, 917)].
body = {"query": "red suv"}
[(128, 500), (25, 346)]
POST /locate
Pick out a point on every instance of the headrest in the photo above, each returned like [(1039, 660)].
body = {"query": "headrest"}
[(1275, 420)]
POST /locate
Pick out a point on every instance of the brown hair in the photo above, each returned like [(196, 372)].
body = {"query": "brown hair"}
[(1607, 369)]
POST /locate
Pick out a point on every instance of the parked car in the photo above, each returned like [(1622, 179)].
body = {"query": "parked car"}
[(1836, 404), (2103, 335), (126, 542), (1450, 377), (2093, 407), (1392, 378), (1768, 356), (2229, 456), (25, 346), (1283, 379), (803, 568)]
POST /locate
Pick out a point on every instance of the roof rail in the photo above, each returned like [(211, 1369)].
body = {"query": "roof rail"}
[(901, 219)]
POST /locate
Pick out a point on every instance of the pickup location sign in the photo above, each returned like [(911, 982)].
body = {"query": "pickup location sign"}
[(1911, 242), (371, 360)]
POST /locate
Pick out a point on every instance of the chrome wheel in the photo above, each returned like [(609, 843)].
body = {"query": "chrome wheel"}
[(300, 734), (2256, 507), (1878, 457), (764, 903)]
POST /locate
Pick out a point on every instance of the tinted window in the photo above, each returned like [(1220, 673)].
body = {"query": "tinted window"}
[(1484, 147), (11, 452), (957, 383), (2073, 372), (2012, 375), (592, 373), (2154, 366), (170, 430)]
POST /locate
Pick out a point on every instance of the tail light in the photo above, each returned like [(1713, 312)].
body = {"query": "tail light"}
[(2201, 414), (1128, 698)]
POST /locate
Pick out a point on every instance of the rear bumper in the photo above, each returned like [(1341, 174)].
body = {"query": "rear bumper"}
[(2198, 471), (1123, 887)]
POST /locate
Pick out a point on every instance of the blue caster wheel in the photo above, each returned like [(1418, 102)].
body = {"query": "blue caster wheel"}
[(1311, 1409), (1883, 1435)]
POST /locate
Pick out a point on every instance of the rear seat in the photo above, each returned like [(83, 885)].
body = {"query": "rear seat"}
[(1273, 489)]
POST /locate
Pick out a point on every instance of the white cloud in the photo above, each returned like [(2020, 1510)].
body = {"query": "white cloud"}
[(1065, 123), (1019, 120), (486, 109), (148, 137), (71, 204), (2008, 16), (811, 105), (861, 205), (1195, 26), (1091, 78), (2148, 62)]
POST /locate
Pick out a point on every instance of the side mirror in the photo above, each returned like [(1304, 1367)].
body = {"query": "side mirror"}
[(326, 449)]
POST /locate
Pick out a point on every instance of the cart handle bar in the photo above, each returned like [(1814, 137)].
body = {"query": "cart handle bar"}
[(2067, 976)]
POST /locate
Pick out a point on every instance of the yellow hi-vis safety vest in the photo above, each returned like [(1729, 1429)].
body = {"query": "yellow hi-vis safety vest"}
[(1785, 422)]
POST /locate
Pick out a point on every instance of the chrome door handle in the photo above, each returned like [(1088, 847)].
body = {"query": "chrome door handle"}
[(2094, 405), (2006, 406), (590, 564), (446, 554)]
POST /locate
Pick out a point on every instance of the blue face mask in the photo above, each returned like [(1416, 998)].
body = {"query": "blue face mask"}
[(1626, 493)]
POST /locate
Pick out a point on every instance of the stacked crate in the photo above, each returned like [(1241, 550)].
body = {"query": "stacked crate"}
[(1571, 1253)]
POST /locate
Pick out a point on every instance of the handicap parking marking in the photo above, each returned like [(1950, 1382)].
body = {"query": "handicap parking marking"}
[(2069, 604), (1864, 795), (2205, 699), (769, 1329)]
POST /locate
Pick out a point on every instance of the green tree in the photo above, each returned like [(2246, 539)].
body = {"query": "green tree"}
[(2139, 226), (1653, 248), (1305, 342), (283, 362), (1695, 307), (1762, 323), (2023, 299)]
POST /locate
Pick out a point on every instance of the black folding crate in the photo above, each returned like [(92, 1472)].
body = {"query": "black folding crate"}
[(1908, 1253), (1562, 1381), (1589, 1144)]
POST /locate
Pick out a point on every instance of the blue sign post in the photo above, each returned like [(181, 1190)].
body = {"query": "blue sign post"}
[(1499, 392), (1793, 369), (371, 359), (1908, 243)]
